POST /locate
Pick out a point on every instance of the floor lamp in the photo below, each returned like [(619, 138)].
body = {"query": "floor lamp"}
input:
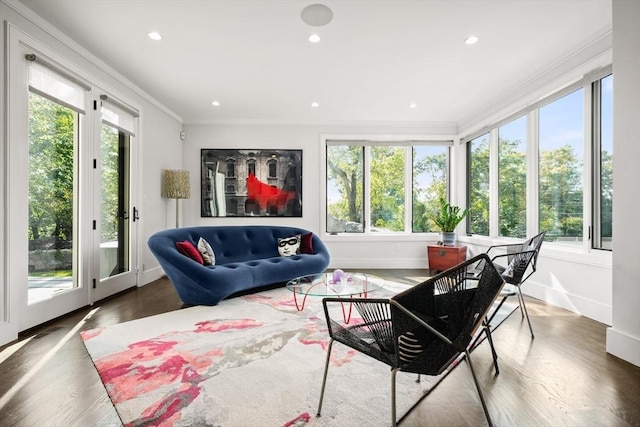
[(175, 185)]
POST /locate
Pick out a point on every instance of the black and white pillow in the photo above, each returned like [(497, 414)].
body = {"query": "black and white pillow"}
[(208, 257), (289, 246), (409, 347)]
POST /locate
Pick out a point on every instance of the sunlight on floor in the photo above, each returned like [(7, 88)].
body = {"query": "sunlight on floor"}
[(36, 367)]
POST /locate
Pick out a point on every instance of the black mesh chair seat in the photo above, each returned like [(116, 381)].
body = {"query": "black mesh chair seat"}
[(424, 329)]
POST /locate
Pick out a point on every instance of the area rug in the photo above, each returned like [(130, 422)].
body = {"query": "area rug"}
[(249, 361)]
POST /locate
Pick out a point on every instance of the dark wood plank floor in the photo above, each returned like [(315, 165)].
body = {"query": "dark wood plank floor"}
[(563, 377)]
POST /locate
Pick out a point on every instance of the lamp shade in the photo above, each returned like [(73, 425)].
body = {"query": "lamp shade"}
[(175, 184)]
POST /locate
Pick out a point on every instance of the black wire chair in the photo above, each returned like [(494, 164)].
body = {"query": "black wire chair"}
[(521, 262), (422, 330)]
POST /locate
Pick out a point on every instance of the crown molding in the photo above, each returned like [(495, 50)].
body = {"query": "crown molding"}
[(58, 35)]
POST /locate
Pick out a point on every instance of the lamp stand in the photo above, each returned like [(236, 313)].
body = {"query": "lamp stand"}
[(177, 213)]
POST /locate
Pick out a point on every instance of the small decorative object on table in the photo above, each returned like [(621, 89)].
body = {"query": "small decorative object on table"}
[(338, 275)]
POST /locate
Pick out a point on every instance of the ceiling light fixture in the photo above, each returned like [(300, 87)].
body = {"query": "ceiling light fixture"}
[(413, 105), (153, 35), (471, 40), (314, 38), (215, 103), (315, 104), (316, 15)]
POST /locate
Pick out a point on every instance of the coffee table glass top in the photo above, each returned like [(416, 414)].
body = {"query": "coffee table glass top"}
[(323, 284)]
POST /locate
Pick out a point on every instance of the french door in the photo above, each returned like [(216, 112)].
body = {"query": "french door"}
[(116, 235), (72, 223)]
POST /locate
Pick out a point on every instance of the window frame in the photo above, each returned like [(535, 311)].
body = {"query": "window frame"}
[(393, 140), (590, 213)]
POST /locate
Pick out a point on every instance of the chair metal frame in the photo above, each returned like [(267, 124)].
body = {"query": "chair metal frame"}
[(523, 255), (444, 313)]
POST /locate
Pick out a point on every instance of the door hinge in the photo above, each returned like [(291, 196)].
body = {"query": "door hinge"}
[(95, 163), (94, 283), (95, 105), (94, 224)]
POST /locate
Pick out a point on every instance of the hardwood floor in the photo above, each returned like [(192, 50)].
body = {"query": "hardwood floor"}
[(563, 377)]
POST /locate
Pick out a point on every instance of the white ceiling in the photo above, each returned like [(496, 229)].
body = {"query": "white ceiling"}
[(375, 57)]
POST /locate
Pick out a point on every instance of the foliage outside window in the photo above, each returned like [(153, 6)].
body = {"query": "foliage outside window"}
[(52, 135), (369, 185), (430, 177), (560, 192), (478, 160), (557, 149), (512, 178)]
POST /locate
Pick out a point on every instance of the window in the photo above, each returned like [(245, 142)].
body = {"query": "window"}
[(603, 162), (369, 185), (345, 170), (231, 168), (540, 170), (251, 167), (478, 194), (512, 178), (273, 169), (430, 177), (560, 163)]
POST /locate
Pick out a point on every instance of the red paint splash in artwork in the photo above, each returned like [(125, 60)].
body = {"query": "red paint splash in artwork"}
[(265, 194)]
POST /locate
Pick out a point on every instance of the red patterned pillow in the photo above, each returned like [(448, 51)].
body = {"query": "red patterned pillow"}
[(188, 249), (306, 247)]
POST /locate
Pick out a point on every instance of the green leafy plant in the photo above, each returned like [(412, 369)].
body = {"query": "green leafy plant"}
[(448, 216)]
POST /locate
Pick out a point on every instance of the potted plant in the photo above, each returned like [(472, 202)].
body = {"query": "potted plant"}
[(447, 218)]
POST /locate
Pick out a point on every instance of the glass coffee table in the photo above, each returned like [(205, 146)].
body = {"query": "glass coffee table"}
[(323, 285)]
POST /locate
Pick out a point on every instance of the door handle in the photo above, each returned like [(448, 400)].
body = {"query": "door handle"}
[(135, 214)]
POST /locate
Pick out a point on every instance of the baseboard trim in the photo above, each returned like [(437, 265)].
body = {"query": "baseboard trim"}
[(592, 309), (150, 275), (623, 346), (379, 263)]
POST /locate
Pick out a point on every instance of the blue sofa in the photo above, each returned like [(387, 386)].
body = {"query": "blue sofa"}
[(246, 257)]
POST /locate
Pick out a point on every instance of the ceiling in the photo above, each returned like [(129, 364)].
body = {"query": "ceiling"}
[(375, 57)]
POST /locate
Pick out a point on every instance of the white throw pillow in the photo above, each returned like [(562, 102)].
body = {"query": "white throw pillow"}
[(208, 257)]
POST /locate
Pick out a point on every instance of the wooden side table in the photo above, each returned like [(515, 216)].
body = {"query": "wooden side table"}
[(444, 257)]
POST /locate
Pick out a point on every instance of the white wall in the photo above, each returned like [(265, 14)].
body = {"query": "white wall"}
[(346, 251), (623, 338)]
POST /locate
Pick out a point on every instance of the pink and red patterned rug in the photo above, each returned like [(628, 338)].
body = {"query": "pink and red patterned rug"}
[(250, 361)]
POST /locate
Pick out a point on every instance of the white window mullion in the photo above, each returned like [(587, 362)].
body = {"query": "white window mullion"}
[(366, 215), (532, 172), (494, 223), (408, 189)]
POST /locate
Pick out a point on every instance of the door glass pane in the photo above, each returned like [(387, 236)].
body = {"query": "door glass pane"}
[(114, 218), (53, 131), (429, 184), (512, 178), (479, 185), (560, 168), (387, 189), (345, 189)]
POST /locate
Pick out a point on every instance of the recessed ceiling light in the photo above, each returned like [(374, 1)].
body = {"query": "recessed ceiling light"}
[(413, 105), (215, 103), (155, 35), (315, 104), (471, 40), (314, 38)]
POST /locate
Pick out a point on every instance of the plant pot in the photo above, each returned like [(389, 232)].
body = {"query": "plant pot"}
[(448, 238)]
